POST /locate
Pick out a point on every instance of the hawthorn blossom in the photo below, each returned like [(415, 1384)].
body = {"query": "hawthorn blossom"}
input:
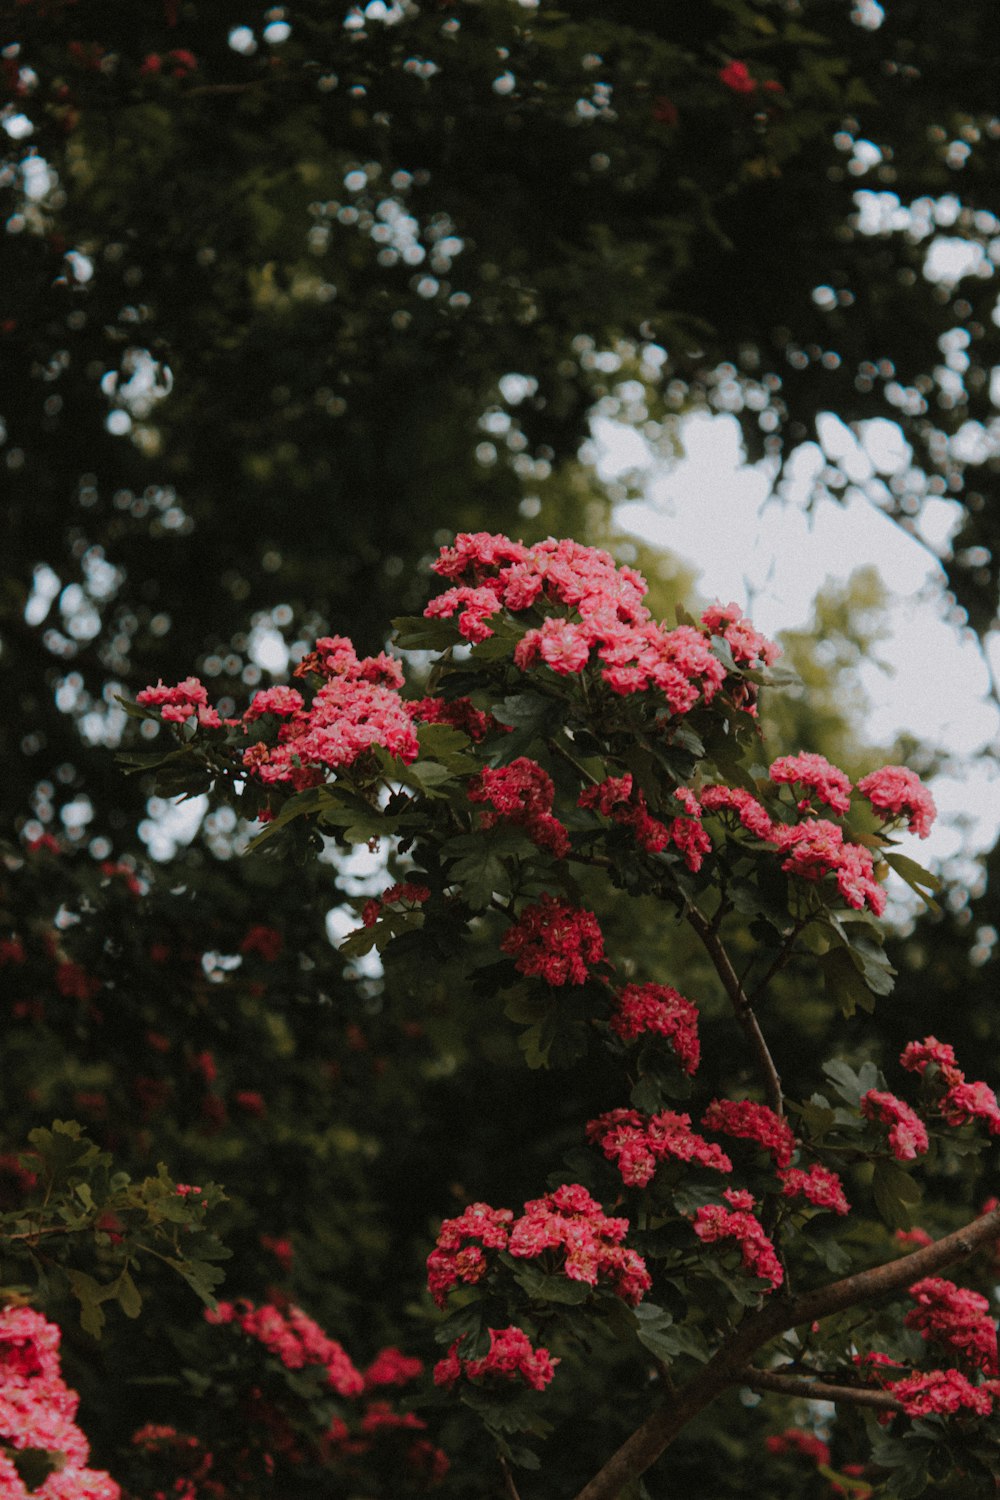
[(555, 941), (511, 1355), (957, 1318), (971, 1101), (569, 1223), (917, 1057), (460, 713), (458, 1254), (896, 792), (907, 1133), (943, 1391), (819, 1186), (659, 1010), (38, 1411), (753, 1122), (356, 708), (754, 817), (713, 1223), (295, 1338), (797, 1440), (815, 772), (522, 793), (392, 1367), (637, 1144)]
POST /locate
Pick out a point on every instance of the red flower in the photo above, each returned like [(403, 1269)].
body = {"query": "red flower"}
[(736, 77)]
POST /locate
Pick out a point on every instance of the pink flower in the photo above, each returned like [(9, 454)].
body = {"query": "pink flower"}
[(956, 1318), (819, 1186), (282, 702), (736, 77), (907, 1133), (917, 1057), (797, 1440), (187, 699), (895, 792), (814, 771), (458, 1254), (637, 1144), (510, 1356), (942, 1391), (754, 818), (657, 1009), (971, 1101), (554, 941), (391, 1367), (754, 1122), (713, 1223), (522, 792), (571, 1224)]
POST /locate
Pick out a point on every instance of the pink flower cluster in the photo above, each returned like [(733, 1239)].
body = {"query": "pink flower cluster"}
[(295, 1338), (522, 793), (460, 713), (570, 1223), (940, 1391), (458, 1254), (962, 1101), (894, 792), (752, 1122), (392, 1367), (407, 893), (815, 847), (186, 700), (819, 1186), (738, 1222), (956, 1318), (817, 774), (357, 707), (616, 798), (37, 1410), (658, 1010), (798, 1440), (490, 573), (907, 1133), (754, 817), (637, 1143), (567, 1222), (554, 941), (510, 1356)]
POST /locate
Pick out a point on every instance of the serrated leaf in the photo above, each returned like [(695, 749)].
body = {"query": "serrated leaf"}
[(844, 982), (414, 633)]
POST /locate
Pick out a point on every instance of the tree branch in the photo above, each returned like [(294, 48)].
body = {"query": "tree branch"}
[(728, 1365), (817, 1390), (510, 1488), (742, 1008)]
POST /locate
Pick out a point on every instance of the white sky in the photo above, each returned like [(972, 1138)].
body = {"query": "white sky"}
[(772, 556)]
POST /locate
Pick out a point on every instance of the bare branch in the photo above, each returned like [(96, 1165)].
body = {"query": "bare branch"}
[(817, 1390), (742, 1008), (510, 1488), (728, 1365)]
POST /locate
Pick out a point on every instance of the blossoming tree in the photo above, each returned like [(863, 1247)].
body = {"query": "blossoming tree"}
[(568, 758), (570, 751)]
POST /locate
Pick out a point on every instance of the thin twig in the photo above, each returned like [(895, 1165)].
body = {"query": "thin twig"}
[(727, 1366), (817, 1390), (570, 760), (508, 1479), (741, 1005), (783, 957)]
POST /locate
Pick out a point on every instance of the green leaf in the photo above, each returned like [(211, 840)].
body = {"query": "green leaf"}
[(91, 1294), (917, 878), (129, 1298), (200, 1275), (414, 633), (895, 1192), (844, 982)]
